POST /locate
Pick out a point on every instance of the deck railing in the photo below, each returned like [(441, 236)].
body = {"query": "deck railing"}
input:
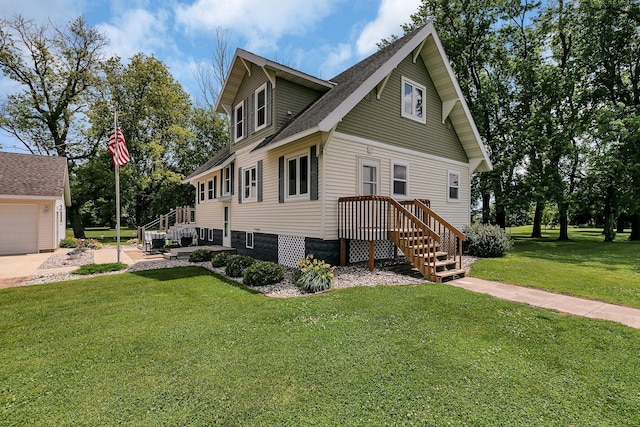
[(415, 229), (181, 215)]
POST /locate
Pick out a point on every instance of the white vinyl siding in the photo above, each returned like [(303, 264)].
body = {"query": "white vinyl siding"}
[(428, 178)]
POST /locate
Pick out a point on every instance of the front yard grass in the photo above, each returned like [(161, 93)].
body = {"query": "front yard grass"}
[(106, 235), (185, 347), (585, 266)]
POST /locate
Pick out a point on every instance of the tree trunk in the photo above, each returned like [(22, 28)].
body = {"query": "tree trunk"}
[(563, 209), (501, 215), (620, 225), (537, 220), (486, 207), (76, 221), (635, 226), (609, 232)]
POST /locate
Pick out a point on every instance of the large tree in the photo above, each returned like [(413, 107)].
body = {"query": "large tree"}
[(57, 69)]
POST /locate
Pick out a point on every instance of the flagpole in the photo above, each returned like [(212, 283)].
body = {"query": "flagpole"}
[(115, 130)]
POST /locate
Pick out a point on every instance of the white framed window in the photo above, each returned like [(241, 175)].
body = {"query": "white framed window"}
[(399, 178), (413, 100), (453, 186), (202, 233), (297, 177), (210, 190), (201, 192), (249, 240), (260, 108), (250, 184), (368, 177), (227, 185), (210, 235), (239, 116)]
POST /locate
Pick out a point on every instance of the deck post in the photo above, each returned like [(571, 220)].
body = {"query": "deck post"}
[(371, 254), (343, 252)]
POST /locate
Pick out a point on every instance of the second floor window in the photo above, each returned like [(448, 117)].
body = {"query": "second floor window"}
[(413, 101), (261, 107), (298, 176), (239, 119), (226, 181)]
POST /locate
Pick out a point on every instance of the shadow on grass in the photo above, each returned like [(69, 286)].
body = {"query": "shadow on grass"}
[(178, 273)]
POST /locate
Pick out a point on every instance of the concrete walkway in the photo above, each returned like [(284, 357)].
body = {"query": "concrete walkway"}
[(561, 303)]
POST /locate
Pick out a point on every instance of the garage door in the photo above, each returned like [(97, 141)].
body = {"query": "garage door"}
[(18, 229)]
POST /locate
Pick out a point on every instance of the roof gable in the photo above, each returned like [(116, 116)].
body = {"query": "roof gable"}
[(26, 175)]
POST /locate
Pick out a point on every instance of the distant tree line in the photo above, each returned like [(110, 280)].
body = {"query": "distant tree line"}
[(554, 89)]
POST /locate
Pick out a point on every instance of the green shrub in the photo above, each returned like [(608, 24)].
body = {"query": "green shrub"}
[(220, 259), (487, 241), (70, 242), (200, 255), (100, 268), (92, 244), (236, 265), (313, 275), (262, 274)]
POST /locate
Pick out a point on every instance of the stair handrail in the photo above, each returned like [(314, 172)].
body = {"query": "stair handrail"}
[(444, 228)]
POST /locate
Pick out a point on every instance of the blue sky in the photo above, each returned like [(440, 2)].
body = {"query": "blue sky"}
[(319, 37)]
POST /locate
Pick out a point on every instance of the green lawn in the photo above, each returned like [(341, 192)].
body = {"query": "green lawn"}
[(183, 347), (585, 266), (106, 235)]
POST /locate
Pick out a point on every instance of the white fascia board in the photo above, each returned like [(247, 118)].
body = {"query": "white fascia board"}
[(461, 99), (348, 104), (27, 198)]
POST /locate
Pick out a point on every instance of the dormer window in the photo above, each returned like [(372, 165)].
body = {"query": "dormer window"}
[(240, 115), (413, 101), (261, 107)]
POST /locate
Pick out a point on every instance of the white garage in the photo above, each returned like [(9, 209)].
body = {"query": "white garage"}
[(33, 193)]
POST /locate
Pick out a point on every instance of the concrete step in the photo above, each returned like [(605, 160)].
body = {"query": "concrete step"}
[(446, 275)]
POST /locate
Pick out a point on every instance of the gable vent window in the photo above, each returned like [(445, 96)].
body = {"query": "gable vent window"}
[(413, 101)]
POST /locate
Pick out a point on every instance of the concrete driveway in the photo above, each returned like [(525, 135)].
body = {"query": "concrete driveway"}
[(16, 269)]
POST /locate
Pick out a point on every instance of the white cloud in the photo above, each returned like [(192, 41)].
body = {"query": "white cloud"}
[(137, 30), (336, 58), (261, 23), (391, 15)]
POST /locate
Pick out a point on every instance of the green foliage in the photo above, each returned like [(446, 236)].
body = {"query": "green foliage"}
[(220, 259), (313, 275), (262, 274), (487, 241), (236, 265), (200, 255), (70, 242), (100, 268), (490, 362)]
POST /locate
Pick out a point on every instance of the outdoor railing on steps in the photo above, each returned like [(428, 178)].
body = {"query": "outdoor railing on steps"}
[(450, 237), (178, 216), (372, 218), (415, 229)]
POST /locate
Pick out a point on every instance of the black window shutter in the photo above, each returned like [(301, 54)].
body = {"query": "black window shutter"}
[(215, 187), (233, 125), (281, 179), (313, 193), (232, 171), (259, 177), (239, 185), (268, 103), (251, 113)]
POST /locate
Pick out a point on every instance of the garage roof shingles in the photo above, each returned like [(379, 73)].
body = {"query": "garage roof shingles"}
[(29, 175)]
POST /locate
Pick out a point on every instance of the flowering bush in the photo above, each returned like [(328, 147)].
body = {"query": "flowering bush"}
[(72, 242), (313, 275)]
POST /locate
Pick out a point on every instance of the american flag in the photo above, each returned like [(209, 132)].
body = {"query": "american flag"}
[(118, 148)]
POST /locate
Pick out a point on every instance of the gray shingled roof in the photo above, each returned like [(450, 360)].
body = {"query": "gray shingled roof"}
[(347, 82), (30, 175), (216, 160)]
